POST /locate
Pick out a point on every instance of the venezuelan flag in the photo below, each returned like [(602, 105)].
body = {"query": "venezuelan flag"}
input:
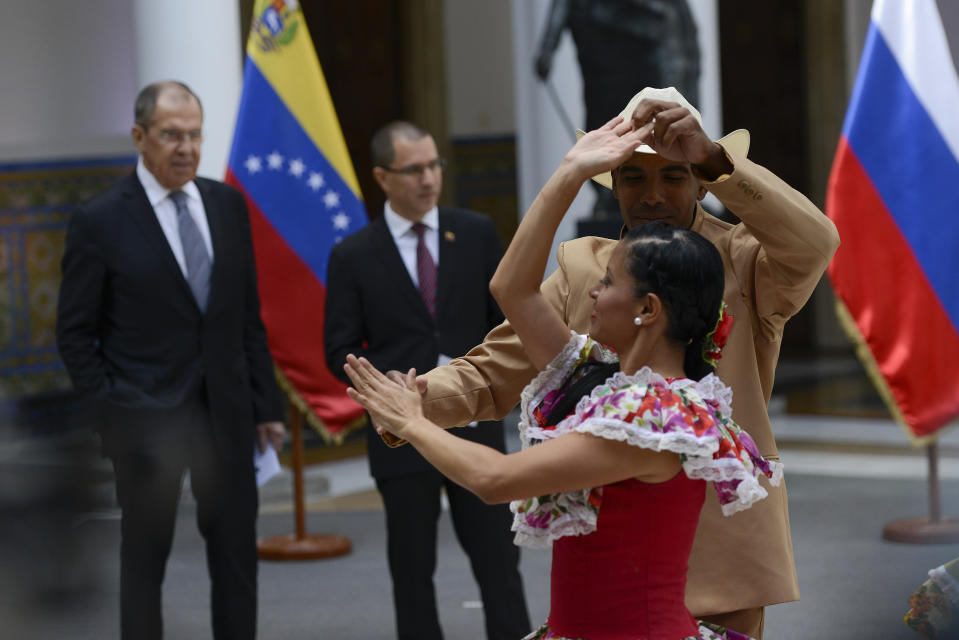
[(894, 196), (290, 160)]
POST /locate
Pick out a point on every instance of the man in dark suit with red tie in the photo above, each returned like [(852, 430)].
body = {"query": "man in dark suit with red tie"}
[(411, 290), (159, 322)]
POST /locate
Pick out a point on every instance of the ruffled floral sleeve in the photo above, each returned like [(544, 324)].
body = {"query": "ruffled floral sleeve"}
[(684, 416)]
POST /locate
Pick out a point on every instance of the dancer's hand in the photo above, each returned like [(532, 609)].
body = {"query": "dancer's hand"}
[(604, 149), (392, 405)]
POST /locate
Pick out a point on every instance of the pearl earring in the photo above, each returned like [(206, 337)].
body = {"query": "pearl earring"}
[(637, 321)]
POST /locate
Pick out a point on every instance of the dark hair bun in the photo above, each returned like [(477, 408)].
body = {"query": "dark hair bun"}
[(686, 271)]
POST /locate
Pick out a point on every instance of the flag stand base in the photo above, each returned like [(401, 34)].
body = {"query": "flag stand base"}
[(301, 545), (314, 546), (922, 531), (932, 530)]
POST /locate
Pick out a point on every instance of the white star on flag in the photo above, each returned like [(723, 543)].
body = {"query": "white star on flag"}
[(275, 160), (331, 199), (297, 168), (341, 221), (253, 164), (315, 181)]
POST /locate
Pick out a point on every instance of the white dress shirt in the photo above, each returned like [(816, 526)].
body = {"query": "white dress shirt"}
[(405, 238), (165, 211)]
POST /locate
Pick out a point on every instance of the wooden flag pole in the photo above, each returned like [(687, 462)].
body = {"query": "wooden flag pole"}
[(301, 546), (932, 530)]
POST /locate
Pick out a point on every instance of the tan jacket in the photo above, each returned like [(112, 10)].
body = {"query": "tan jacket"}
[(773, 261)]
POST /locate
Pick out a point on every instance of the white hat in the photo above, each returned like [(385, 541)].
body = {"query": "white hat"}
[(736, 142)]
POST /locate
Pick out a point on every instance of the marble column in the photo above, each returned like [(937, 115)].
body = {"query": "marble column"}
[(198, 43)]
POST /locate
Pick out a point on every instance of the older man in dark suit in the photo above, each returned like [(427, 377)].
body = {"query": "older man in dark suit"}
[(159, 321), (404, 292)]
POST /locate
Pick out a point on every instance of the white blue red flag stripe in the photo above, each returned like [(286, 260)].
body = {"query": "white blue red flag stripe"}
[(291, 162), (894, 196)]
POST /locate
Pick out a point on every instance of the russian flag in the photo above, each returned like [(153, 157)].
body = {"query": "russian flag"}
[(290, 160), (894, 196)]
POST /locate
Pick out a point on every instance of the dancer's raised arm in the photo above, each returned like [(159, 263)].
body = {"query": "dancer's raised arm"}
[(515, 285)]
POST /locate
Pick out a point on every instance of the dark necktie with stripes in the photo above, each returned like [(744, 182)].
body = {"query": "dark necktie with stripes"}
[(194, 251), (425, 269)]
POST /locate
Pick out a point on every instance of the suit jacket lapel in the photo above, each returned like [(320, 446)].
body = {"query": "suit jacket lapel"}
[(145, 218), (215, 220), (395, 267), (450, 259)]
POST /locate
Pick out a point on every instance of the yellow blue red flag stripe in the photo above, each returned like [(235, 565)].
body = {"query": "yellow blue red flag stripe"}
[(291, 162)]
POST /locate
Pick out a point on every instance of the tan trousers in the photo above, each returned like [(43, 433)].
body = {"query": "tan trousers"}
[(748, 621)]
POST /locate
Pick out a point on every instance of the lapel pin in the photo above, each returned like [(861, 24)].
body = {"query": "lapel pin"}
[(449, 236)]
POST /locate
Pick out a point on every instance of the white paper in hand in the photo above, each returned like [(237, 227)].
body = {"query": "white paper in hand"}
[(266, 464)]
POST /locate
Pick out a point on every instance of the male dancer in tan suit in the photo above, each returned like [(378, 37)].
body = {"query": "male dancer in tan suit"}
[(773, 261)]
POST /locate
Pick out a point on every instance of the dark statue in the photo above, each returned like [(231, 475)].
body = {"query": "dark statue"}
[(623, 46)]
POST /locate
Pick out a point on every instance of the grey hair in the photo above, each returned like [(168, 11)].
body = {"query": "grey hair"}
[(146, 102)]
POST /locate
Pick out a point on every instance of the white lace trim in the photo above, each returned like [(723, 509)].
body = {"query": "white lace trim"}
[(699, 463), (578, 521), (727, 469), (948, 584), (678, 442), (550, 378), (577, 517), (710, 388)]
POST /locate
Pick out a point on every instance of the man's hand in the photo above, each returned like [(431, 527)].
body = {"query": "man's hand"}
[(400, 378), (392, 405), (673, 132), (270, 433)]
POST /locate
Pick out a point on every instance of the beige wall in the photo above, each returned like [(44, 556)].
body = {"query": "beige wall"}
[(479, 68), (68, 75), (71, 70)]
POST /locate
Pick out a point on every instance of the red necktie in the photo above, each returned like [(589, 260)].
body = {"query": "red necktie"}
[(425, 269)]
